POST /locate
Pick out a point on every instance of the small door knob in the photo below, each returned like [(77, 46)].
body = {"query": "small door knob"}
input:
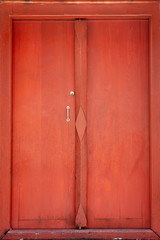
[(72, 93)]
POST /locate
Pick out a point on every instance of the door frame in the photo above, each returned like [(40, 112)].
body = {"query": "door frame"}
[(26, 9)]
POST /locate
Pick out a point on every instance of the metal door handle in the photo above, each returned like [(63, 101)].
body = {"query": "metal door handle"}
[(68, 119)]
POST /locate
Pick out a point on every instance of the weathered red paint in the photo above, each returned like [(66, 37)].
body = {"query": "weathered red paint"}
[(43, 161), (81, 121), (143, 181), (82, 234), (118, 124)]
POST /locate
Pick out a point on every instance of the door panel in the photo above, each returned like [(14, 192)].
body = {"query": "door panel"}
[(43, 162), (118, 124), (43, 143)]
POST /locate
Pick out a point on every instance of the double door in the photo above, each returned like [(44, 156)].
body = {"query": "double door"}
[(80, 129)]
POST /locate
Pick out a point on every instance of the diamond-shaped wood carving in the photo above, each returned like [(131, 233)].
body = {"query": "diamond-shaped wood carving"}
[(81, 123), (81, 220)]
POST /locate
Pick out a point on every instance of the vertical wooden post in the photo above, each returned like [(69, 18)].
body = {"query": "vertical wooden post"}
[(81, 138), (5, 117)]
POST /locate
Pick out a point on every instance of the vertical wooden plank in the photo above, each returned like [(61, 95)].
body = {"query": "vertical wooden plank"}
[(26, 126), (155, 118), (118, 124), (81, 139), (43, 162), (5, 112)]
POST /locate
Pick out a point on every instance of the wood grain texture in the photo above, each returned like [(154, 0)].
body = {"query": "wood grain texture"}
[(155, 120), (81, 138), (79, 1), (43, 162), (93, 10), (118, 124), (5, 118), (81, 234), (50, 10)]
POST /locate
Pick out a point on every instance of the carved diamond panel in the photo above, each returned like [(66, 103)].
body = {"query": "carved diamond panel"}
[(81, 123)]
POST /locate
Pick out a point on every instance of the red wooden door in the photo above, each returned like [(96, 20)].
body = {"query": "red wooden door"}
[(49, 184), (43, 141), (118, 124)]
